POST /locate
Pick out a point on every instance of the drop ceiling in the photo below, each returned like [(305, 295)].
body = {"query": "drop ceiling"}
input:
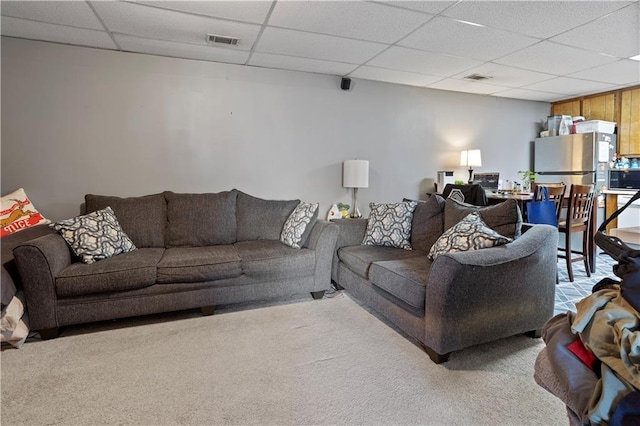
[(533, 50)]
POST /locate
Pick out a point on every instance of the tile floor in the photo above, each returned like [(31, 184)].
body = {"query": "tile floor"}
[(567, 293)]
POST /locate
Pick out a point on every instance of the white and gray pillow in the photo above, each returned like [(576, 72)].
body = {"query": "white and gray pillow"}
[(94, 236), (296, 224), (389, 224), (471, 233)]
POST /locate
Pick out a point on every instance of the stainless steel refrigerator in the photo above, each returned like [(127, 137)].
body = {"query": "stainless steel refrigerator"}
[(580, 159)]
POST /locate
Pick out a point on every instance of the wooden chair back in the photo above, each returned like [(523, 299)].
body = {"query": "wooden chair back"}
[(555, 191), (580, 205)]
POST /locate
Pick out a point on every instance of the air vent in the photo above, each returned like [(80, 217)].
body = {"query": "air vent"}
[(477, 77), (220, 39)]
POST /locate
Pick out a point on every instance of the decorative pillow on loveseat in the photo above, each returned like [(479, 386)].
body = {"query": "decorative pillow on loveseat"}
[(298, 226), (471, 233), (390, 224), (94, 236), (18, 213), (504, 218)]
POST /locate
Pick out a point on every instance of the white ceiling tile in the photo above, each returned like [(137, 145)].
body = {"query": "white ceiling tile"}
[(620, 37), (503, 75), (535, 18), (268, 60), (316, 46), (181, 50), (433, 7), (15, 27), (554, 58), (623, 72), (143, 21), (353, 19), (247, 11), (569, 86), (391, 76), (72, 13), (467, 86), (403, 59), (449, 36), (530, 95)]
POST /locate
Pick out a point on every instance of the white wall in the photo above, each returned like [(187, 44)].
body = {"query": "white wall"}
[(78, 120)]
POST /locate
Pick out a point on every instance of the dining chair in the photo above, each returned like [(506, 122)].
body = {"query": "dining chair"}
[(578, 220), (556, 194)]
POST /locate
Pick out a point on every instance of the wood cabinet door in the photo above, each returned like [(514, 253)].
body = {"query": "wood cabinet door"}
[(629, 126), (602, 107), (571, 108)]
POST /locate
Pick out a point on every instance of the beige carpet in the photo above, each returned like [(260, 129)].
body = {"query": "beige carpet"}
[(310, 362)]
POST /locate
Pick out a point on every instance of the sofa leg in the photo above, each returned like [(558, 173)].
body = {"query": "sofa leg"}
[(317, 294), (534, 334), (208, 310), (49, 333), (435, 356)]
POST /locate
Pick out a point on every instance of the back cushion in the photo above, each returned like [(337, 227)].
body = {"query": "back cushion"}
[(428, 223), (196, 220), (504, 218), (260, 219), (143, 219)]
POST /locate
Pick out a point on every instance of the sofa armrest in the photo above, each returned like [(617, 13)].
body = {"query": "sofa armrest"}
[(323, 240), (39, 261), (350, 233), (479, 296)]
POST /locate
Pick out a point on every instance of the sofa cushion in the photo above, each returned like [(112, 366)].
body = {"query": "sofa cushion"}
[(504, 218), (403, 278), (271, 260), (197, 264), (127, 271), (298, 225), (428, 223), (359, 258), (390, 224), (196, 220), (143, 219), (260, 219), (471, 233), (94, 236)]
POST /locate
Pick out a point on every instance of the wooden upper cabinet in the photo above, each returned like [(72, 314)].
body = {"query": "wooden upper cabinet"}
[(571, 108), (629, 125), (601, 107)]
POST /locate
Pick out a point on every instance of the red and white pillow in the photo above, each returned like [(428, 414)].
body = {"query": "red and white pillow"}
[(17, 213)]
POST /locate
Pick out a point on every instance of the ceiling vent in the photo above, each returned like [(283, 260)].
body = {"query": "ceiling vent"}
[(477, 77), (220, 39)]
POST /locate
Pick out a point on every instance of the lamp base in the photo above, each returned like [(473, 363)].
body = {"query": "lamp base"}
[(355, 211), (470, 176)]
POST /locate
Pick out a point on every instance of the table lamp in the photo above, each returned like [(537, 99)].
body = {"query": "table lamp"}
[(471, 158), (355, 174)]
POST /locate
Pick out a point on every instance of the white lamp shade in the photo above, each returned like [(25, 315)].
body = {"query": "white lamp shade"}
[(355, 174), (471, 158)]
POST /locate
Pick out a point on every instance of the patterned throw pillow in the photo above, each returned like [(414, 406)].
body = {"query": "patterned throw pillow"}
[(17, 213), (390, 225), (471, 233), (296, 224), (94, 236)]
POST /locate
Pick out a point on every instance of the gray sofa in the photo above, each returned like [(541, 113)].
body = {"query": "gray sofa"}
[(193, 251), (459, 299)]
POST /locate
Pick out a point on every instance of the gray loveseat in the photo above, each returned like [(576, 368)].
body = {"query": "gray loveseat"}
[(193, 251), (459, 299)]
